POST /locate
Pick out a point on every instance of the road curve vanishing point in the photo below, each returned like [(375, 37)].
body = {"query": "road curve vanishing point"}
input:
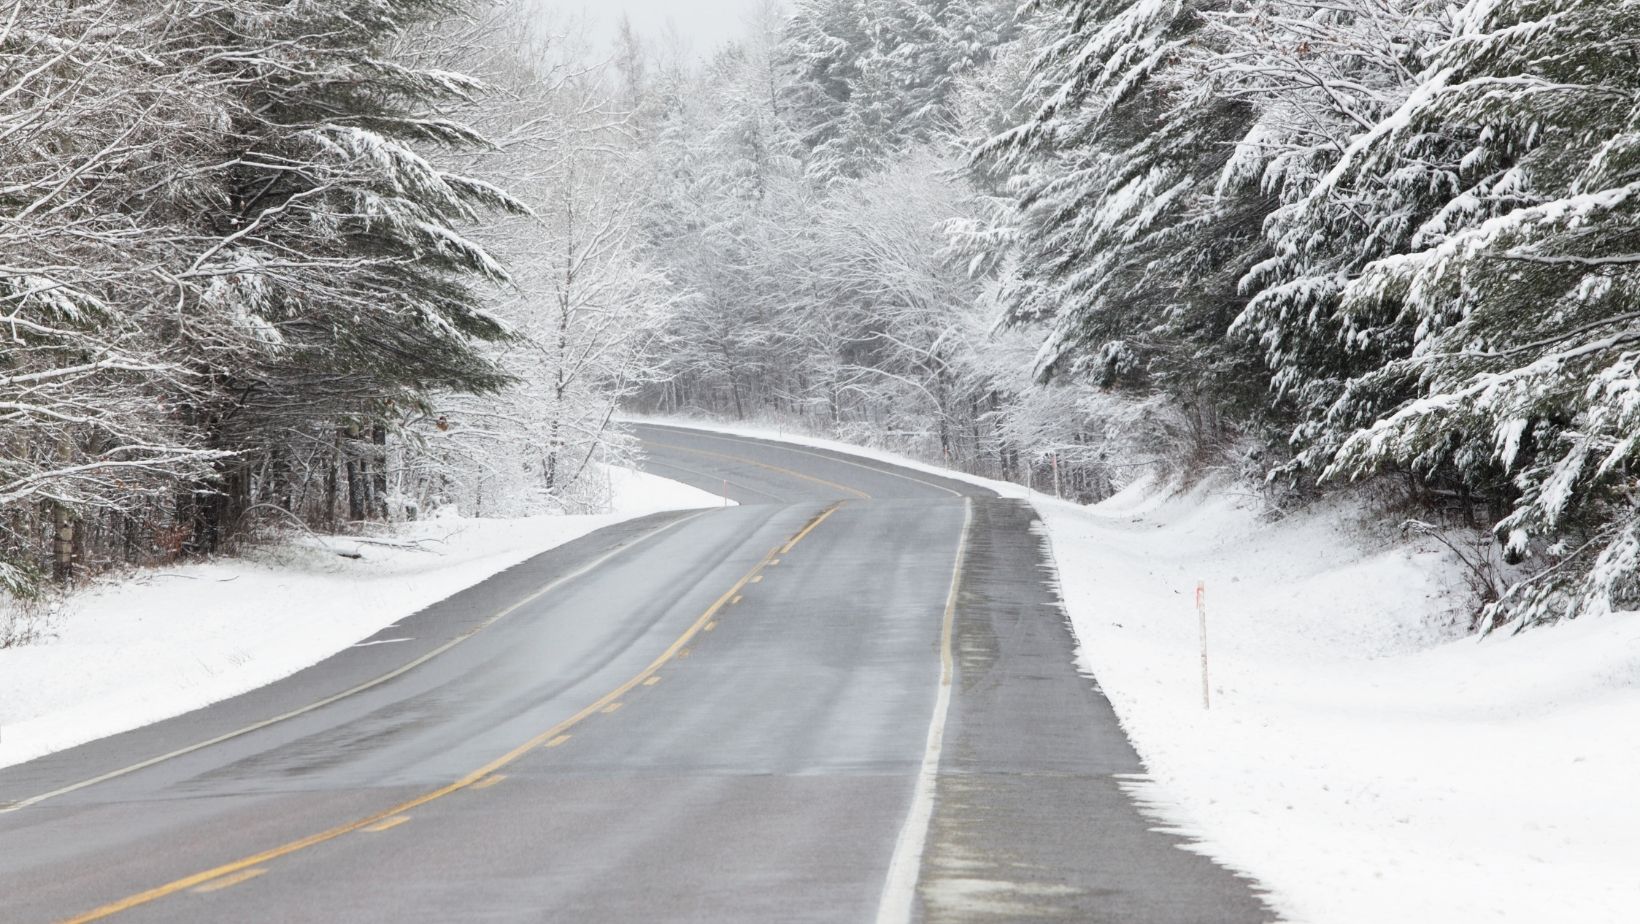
[(850, 699)]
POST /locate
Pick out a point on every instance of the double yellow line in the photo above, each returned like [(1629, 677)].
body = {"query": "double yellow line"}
[(545, 738)]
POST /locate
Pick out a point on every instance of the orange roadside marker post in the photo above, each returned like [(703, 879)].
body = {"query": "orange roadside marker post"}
[(1201, 615)]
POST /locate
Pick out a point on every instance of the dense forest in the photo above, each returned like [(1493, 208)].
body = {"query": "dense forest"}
[(273, 263), (269, 264)]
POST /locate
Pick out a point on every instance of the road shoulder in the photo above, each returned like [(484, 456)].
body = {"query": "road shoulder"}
[(1032, 818)]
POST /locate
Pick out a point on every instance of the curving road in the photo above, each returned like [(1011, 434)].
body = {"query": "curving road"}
[(850, 699)]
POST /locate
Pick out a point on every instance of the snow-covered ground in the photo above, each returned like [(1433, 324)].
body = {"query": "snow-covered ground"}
[(127, 653), (636, 493), (1364, 758)]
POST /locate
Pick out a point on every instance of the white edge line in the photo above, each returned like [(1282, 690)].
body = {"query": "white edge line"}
[(369, 684), (799, 448), (899, 897)]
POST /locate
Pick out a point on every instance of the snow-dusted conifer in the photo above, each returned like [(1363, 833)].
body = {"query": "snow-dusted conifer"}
[(338, 244), (1124, 249), (1516, 302), (1322, 78), (870, 78)]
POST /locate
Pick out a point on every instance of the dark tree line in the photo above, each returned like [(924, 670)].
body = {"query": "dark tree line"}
[(233, 262)]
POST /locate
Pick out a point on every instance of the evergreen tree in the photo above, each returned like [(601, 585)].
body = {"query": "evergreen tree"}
[(332, 241), (871, 78), (828, 43), (1126, 247), (1323, 79), (1515, 304)]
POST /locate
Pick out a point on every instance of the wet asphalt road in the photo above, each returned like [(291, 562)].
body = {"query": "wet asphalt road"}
[(720, 716)]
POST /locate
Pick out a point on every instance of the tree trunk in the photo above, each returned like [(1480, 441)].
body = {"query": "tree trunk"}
[(62, 544), (356, 478), (331, 487), (378, 474), (62, 529)]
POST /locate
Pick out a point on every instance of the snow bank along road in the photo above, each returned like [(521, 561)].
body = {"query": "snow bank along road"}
[(851, 698)]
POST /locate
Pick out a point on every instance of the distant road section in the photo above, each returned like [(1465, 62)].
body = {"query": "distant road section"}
[(851, 698)]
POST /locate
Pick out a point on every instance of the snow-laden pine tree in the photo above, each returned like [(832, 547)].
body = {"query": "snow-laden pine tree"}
[(827, 50), (921, 49), (1516, 340), (871, 78), (1126, 248), (1322, 78), (332, 250), (1096, 438)]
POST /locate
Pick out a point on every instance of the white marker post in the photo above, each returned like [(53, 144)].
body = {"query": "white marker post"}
[(1201, 614)]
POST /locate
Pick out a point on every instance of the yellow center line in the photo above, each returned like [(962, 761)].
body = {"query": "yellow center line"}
[(216, 885), (813, 524), (676, 650), (652, 681), (711, 625), (558, 741), (612, 707), (388, 824), (367, 685), (764, 465), (738, 598), (489, 781)]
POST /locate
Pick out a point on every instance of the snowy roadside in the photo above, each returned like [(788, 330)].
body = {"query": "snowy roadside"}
[(1364, 759), (162, 643)]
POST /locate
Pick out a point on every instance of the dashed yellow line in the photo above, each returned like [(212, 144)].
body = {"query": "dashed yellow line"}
[(558, 741), (489, 781), (217, 885), (804, 534), (388, 824), (21, 804), (652, 681), (612, 707), (252, 863)]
